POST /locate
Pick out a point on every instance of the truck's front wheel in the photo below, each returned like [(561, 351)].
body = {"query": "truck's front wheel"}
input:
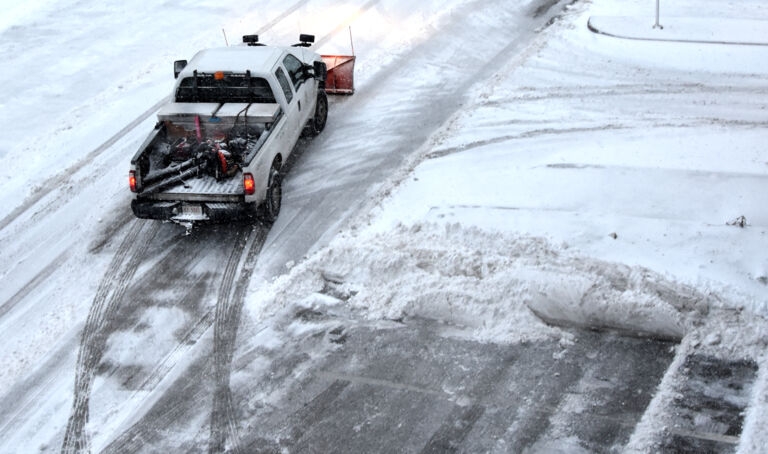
[(321, 114), (271, 207)]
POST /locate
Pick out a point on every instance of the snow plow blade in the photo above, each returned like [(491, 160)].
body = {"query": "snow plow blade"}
[(341, 74)]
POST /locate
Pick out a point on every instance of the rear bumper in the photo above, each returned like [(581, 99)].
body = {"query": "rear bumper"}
[(211, 211)]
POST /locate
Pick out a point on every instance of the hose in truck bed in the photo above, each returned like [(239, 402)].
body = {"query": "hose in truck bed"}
[(172, 181), (160, 174)]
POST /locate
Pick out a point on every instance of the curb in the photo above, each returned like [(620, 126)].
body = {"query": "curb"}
[(594, 29)]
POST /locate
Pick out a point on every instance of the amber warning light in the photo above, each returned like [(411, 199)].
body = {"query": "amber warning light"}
[(248, 184), (218, 75), (132, 180)]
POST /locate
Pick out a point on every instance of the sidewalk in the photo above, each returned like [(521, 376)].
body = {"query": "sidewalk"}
[(683, 29)]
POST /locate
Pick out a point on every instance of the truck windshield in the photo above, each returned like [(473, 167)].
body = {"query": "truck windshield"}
[(232, 88)]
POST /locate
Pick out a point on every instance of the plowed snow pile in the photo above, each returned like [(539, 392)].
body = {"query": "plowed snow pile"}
[(491, 284), (506, 289)]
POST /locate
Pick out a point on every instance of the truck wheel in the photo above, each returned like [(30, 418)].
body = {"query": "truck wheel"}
[(321, 114), (270, 209)]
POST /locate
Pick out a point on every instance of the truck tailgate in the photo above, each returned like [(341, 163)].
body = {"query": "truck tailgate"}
[(205, 188)]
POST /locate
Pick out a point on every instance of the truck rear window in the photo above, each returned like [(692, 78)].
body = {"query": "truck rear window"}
[(232, 88)]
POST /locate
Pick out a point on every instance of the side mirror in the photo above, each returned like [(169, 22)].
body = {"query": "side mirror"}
[(178, 66), (321, 71), (308, 72)]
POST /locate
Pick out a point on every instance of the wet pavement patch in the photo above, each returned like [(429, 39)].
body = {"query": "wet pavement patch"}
[(414, 389), (454, 430), (709, 409)]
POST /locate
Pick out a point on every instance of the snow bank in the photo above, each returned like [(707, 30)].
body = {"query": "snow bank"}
[(504, 288), (494, 286)]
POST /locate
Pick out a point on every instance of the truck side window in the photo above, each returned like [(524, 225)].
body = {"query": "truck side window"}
[(284, 84), (294, 67)]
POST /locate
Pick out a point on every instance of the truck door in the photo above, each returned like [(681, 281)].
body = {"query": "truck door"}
[(290, 133), (303, 89)]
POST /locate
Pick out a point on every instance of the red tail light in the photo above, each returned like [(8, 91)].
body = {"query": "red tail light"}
[(132, 180), (249, 184)]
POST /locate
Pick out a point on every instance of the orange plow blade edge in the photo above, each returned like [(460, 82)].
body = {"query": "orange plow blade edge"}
[(341, 74)]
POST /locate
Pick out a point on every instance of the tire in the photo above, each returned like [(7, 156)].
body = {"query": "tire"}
[(270, 209), (317, 124)]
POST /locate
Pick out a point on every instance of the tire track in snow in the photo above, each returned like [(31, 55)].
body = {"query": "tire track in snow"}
[(619, 90), (171, 407), (64, 177), (695, 122), (523, 135), (186, 265), (227, 321), (108, 297), (186, 343), (222, 397), (163, 413), (38, 279)]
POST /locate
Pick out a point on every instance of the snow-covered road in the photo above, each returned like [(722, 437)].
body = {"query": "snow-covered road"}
[(67, 242), (123, 335)]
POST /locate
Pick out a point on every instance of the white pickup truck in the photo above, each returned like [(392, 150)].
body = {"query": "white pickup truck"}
[(235, 115)]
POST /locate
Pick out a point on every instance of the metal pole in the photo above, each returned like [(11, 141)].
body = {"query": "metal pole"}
[(657, 24), (351, 43)]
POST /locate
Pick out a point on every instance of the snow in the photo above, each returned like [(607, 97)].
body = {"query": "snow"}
[(757, 412), (589, 181), (592, 183), (259, 60), (685, 29), (124, 347), (629, 140), (490, 284)]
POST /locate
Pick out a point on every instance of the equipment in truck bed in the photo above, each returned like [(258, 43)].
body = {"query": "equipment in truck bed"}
[(216, 118)]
